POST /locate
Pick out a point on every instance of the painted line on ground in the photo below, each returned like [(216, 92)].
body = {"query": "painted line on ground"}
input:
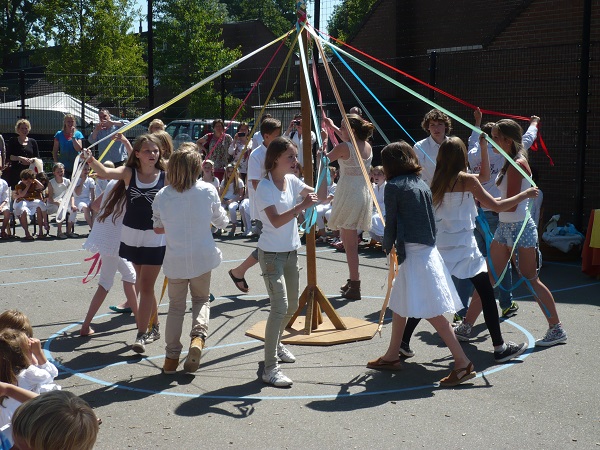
[(78, 373)]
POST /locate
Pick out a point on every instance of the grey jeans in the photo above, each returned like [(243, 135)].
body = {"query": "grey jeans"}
[(280, 272)]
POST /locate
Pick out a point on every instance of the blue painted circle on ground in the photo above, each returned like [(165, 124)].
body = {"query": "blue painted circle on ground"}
[(80, 374)]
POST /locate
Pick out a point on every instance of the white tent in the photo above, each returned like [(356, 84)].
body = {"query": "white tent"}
[(46, 114)]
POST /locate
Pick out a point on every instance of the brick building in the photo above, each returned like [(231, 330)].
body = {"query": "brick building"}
[(516, 57)]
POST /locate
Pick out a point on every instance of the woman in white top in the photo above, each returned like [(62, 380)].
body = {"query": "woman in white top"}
[(277, 248)]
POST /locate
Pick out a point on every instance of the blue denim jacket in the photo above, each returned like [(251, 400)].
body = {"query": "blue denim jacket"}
[(409, 214)]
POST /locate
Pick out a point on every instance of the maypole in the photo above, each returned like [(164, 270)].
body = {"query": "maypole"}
[(314, 328)]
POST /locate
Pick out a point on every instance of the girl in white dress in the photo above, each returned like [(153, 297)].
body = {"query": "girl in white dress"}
[(421, 288)]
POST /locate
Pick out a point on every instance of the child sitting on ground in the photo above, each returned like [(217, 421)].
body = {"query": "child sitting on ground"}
[(28, 200)]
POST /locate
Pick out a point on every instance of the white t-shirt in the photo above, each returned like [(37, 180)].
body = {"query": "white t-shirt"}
[(229, 194), (285, 238), (59, 189), (86, 191), (296, 139), (256, 171), (257, 139)]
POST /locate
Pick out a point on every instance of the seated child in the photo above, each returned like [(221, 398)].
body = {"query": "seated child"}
[(4, 207), (56, 191), (101, 183), (36, 421), (28, 200), (82, 198), (377, 227), (324, 207), (43, 178), (233, 196)]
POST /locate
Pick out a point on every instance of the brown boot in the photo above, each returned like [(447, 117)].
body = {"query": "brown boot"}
[(353, 291), (192, 361), (345, 287)]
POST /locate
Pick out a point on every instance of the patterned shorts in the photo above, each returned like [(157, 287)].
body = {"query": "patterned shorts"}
[(507, 233)]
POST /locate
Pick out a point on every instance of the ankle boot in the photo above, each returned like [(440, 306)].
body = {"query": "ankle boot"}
[(345, 287), (353, 291)]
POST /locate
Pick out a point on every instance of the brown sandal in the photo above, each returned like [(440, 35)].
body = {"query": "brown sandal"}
[(454, 379), (382, 364)]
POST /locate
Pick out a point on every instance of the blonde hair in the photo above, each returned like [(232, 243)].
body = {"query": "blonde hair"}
[(166, 143), (109, 164), (21, 121), (156, 123), (16, 320), (183, 169), (189, 146), (68, 116), (56, 420)]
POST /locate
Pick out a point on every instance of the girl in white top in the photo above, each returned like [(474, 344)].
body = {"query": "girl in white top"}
[(105, 238), (56, 191), (208, 173), (379, 183), (507, 134), (277, 209), (17, 367), (240, 148), (233, 196), (183, 211)]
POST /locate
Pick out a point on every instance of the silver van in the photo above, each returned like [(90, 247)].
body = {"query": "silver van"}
[(190, 130)]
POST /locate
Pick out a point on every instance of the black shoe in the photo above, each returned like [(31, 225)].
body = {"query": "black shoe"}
[(512, 351)]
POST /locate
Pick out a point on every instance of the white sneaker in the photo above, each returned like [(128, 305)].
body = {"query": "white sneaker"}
[(284, 354), (275, 377)]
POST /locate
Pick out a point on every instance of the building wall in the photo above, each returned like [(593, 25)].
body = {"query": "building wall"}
[(529, 63)]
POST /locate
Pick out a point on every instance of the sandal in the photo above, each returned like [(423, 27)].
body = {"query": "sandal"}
[(382, 364), (454, 379), (244, 286)]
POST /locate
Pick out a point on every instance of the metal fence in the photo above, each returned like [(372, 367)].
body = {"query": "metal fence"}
[(545, 81)]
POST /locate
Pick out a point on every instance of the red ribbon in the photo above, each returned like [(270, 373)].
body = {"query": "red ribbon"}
[(534, 147), (97, 261)]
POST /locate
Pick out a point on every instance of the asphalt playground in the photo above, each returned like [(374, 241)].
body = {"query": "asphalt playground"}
[(548, 398)]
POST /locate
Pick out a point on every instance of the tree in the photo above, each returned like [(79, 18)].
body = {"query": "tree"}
[(92, 38), (347, 17), (277, 15), (20, 27), (189, 47)]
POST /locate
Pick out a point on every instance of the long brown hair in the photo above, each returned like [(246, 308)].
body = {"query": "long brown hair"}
[(116, 198), (508, 128), (451, 161), (276, 148)]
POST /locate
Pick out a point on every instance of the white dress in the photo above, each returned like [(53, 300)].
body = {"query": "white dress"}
[(423, 287), (455, 222), (352, 206)]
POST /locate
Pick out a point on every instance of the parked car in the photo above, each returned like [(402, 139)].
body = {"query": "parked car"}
[(190, 130)]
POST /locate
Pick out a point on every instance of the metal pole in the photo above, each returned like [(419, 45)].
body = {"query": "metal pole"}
[(584, 77), (432, 73), (150, 57)]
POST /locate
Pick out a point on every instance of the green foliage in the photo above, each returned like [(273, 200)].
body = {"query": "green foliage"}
[(21, 26), (347, 17), (93, 39), (189, 47), (279, 16)]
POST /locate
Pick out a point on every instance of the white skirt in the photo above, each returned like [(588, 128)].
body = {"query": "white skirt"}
[(423, 287)]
